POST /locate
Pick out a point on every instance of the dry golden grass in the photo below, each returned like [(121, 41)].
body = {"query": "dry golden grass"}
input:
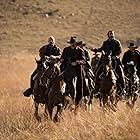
[(16, 112), (23, 29)]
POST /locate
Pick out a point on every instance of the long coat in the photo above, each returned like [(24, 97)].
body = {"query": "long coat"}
[(70, 55)]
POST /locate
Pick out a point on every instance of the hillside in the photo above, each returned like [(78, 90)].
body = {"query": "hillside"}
[(27, 24)]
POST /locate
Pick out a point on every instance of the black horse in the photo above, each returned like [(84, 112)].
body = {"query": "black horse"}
[(132, 83)]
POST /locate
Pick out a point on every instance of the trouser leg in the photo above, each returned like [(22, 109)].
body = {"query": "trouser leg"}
[(120, 79), (79, 85), (70, 89), (32, 79)]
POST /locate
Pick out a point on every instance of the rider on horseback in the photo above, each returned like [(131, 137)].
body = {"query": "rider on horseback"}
[(87, 68), (113, 46), (47, 50), (72, 61), (132, 55)]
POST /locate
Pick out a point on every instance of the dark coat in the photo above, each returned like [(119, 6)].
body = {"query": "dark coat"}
[(113, 46), (70, 55), (48, 50), (132, 56)]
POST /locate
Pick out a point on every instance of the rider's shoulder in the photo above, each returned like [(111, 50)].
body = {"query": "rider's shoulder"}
[(105, 41), (66, 48), (117, 41), (42, 47)]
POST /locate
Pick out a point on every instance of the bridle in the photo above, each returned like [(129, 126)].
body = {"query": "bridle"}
[(52, 76)]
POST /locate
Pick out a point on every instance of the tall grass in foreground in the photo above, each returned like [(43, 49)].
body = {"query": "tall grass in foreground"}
[(18, 123)]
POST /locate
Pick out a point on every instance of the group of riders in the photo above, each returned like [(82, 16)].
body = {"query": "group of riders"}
[(75, 62)]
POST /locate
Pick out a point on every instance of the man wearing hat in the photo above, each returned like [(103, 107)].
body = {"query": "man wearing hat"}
[(72, 61), (132, 55)]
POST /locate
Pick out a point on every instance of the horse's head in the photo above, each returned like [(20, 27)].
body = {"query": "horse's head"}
[(51, 72), (41, 64), (52, 60), (47, 61), (106, 59)]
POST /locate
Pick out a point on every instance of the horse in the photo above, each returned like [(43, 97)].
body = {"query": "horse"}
[(132, 83), (95, 61), (53, 79), (106, 82), (40, 88)]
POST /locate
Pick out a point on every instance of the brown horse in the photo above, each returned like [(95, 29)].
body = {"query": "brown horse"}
[(51, 95), (107, 82), (39, 89)]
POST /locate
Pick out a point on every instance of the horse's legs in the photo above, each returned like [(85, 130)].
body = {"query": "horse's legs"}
[(90, 103), (134, 99), (58, 112), (36, 111), (86, 102), (45, 111), (113, 98), (112, 105), (117, 98), (50, 110), (101, 99), (105, 98)]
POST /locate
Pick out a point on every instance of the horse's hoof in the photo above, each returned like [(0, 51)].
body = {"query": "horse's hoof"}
[(129, 105), (56, 119), (72, 107), (46, 115), (38, 119), (76, 109)]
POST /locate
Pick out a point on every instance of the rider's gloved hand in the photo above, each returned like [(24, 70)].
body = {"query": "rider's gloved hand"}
[(74, 63)]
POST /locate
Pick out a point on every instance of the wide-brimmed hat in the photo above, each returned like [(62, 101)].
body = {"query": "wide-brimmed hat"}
[(132, 45), (72, 40), (81, 43)]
